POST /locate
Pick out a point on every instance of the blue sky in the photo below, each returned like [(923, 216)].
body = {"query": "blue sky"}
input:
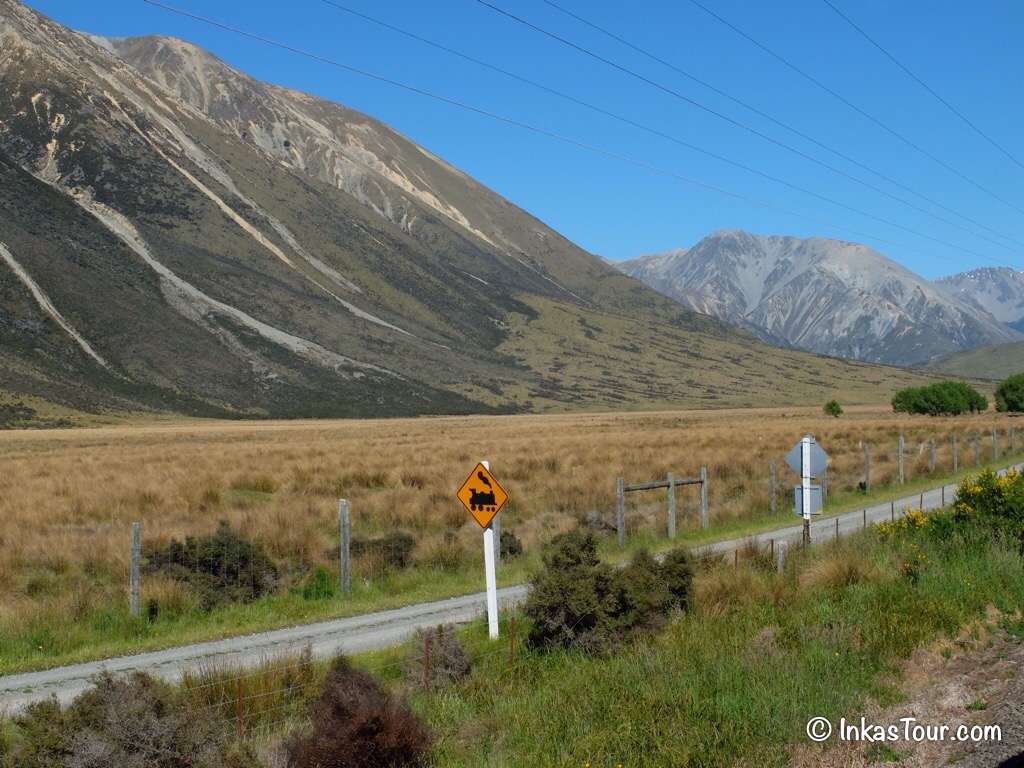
[(966, 215)]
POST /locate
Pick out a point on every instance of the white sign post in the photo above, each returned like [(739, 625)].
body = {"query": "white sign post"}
[(483, 497), (491, 578), (808, 460)]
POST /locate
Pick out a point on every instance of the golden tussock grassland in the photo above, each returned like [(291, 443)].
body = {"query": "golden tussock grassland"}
[(68, 497)]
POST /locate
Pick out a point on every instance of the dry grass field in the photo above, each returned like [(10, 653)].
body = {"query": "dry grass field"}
[(68, 497)]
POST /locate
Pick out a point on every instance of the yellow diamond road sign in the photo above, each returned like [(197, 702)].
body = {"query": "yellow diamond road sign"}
[(482, 495)]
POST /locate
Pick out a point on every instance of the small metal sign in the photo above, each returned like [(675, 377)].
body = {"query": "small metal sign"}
[(482, 495), (819, 460), (816, 500)]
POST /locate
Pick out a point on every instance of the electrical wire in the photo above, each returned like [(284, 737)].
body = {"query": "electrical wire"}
[(558, 137), (675, 139), (790, 128), (722, 116), (924, 85), (855, 108)]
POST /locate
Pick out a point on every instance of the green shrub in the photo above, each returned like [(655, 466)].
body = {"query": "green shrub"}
[(642, 596), (833, 408), (677, 570), (569, 601), (130, 722), (1009, 395), (995, 502), (357, 724), (223, 567), (942, 398), (579, 602)]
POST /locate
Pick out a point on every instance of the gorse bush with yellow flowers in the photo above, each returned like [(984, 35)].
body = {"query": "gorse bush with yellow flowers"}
[(995, 502), (895, 530)]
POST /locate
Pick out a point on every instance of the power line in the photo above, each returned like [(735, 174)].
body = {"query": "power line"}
[(924, 85), (714, 112), (796, 131), (674, 139), (550, 134), (855, 108)]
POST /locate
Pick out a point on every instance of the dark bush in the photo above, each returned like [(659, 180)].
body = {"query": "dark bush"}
[(357, 724), (130, 722), (394, 549), (642, 595), (223, 567), (677, 569), (579, 602), (570, 600), (510, 545)]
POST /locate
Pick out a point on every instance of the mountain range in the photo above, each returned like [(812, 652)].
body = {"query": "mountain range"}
[(835, 298), (175, 235)]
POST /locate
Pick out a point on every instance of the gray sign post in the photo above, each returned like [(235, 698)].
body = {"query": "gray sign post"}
[(808, 460)]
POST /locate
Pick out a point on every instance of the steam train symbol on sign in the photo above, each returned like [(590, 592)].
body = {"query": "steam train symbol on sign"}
[(482, 495), (480, 501)]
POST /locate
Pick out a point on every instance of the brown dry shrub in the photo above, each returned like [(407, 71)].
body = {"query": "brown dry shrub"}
[(129, 722), (357, 724), (446, 657)]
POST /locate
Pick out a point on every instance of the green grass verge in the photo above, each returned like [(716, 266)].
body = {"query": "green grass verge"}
[(738, 679)]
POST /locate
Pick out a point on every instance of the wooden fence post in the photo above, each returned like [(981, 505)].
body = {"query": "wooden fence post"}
[(426, 661), (135, 557), (995, 445), (345, 540), (780, 558), (931, 456), (899, 458), (954, 455), (867, 467), (671, 506), (620, 512), (703, 497), (238, 707), (771, 486)]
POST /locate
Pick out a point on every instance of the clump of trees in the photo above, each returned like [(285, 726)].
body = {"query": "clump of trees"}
[(944, 398), (579, 602), (1009, 395)]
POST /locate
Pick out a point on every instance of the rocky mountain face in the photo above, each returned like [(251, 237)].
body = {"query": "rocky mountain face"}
[(996, 290), (834, 298), (176, 235)]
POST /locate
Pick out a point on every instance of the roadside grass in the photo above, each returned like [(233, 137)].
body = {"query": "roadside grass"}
[(736, 680), (733, 681)]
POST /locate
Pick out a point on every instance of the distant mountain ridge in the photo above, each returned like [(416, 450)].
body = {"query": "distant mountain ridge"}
[(996, 290), (826, 296)]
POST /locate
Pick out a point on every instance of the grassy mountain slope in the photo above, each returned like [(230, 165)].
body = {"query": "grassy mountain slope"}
[(265, 252), (994, 362)]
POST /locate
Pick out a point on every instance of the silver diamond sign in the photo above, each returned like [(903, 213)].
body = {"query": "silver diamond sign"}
[(817, 456)]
